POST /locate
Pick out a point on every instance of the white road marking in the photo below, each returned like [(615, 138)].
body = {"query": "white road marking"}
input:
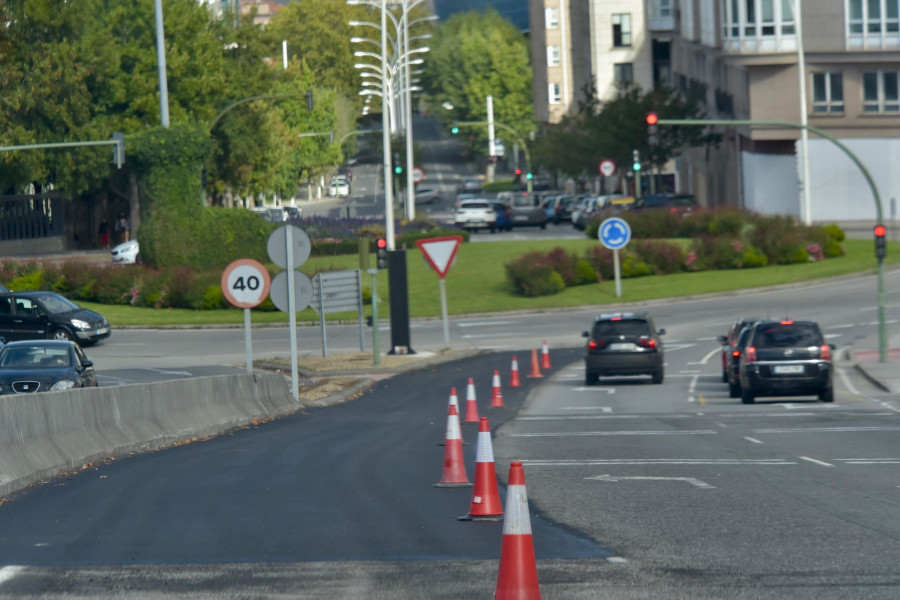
[(846, 381), (797, 406), (620, 560), (167, 372), (690, 372), (612, 433), (489, 335), (869, 461), (761, 462), (8, 572), (595, 389), (706, 358), (569, 418), (694, 482), (692, 387), (818, 462), (827, 430), (484, 323), (754, 440)]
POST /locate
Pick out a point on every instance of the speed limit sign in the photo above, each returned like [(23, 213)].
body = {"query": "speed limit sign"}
[(245, 283)]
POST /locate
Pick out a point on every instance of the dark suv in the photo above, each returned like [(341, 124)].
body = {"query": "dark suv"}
[(786, 358), (730, 339), (623, 344)]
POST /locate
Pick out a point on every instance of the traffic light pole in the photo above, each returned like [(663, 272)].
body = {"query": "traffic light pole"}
[(515, 134), (882, 299)]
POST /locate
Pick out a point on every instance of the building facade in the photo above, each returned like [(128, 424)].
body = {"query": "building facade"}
[(747, 55)]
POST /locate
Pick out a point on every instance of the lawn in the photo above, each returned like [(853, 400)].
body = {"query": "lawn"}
[(476, 283)]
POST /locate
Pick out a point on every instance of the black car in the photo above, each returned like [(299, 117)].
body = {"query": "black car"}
[(734, 360), (786, 358), (623, 344), (43, 315), (44, 366), (729, 340)]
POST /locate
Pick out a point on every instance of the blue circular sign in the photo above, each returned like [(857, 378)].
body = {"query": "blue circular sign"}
[(614, 233)]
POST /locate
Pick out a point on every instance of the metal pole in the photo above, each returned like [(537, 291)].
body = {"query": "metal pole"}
[(618, 273), (362, 338), (292, 310), (410, 186), (161, 61), (376, 346), (284, 53), (248, 344), (444, 316), (490, 121), (804, 115), (386, 134)]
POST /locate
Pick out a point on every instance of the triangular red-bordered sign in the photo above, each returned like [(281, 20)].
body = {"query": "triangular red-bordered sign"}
[(440, 252)]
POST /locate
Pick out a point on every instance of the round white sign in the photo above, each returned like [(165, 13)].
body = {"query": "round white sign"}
[(607, 168), (418, 175), (277, 246), (303, 291), (245, 283)]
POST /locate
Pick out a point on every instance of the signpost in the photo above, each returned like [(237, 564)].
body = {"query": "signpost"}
[(245, 283), (338, 291), (440, 253), (615, 233), (607, 168), (289, 247), (418, 175)]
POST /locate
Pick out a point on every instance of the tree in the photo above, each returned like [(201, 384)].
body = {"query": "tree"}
[(475, 55)]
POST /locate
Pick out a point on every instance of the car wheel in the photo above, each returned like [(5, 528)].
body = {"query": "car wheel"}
[(746, 396), (544, 225), (827, 395), (62, 335), (658, 376), (724, 376), (734, 390), (590, 378)]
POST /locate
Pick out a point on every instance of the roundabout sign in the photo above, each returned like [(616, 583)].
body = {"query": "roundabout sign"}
[(615, 233)]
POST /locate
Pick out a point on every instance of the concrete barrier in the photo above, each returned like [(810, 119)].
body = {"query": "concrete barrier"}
[(42, 435)]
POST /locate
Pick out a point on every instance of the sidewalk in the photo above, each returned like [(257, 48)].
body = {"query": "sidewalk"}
[(864, 356)]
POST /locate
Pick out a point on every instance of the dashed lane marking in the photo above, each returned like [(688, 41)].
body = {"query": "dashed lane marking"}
[(613, 433), (9, 572), (818, 462)]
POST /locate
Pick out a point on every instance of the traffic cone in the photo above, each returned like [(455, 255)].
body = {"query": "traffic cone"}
[(496, 392), (514, 374), (454, 401), (454, 474), (517, 578), (545, 356), (486, 504), (471, 404), (535, 368)]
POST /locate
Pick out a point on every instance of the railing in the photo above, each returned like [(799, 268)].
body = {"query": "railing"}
[(24, 217)]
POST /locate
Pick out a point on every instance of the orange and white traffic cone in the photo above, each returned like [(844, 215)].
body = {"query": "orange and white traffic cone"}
[(454, 474), (517, 578), (471, 404), (454, 401), (535, 368), (545, 356), (514, 374), (486, 504), (496, 392)]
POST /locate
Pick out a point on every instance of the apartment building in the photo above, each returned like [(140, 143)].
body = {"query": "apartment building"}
[(746, 53), (596, 45)]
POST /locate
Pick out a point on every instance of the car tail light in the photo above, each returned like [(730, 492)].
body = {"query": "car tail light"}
[(736, 353), (787, 323), (597, 344), (647, 343), (825, 352), (616, 319), (558, 209), (751, 354)]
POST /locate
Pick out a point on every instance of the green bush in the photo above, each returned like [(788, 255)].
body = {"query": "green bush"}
[(601, 260), (28, 281), (633, 266), (714, 252), (530, 278), (662, 257), (833, 248), (564, 263), (834, 232), (585, 273), (753, 258)]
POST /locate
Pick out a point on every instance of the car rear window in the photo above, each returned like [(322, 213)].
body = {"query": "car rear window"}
[(779, 335), (626, 327), (474, 205)]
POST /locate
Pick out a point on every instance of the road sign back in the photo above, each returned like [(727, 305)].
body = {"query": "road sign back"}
[(440, 252)]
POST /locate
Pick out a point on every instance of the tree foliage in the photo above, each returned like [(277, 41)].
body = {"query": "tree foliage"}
[(474, 55)]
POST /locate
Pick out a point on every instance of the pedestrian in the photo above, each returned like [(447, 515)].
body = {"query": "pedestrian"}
[(104, 233), (122, 227)]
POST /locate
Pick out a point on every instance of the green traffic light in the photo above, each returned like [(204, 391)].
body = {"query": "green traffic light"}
[(636, 167), (455, 130), (398, 170), (528, 176)]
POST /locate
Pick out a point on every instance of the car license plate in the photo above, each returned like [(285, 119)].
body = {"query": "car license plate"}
[(520, 218), (788, 369), (102, 330), (621, 346)]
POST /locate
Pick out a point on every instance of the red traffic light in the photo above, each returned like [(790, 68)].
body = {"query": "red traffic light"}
[(518, 171), (880, 230), (381, 243), (652, 118)]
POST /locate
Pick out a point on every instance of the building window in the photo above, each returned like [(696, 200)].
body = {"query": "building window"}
[(880, 92), (758, 18), (665, 8), (621, 29), (552, 56), (551, 17), (554, 94), (867, 15), (623, 73), (828, 93)]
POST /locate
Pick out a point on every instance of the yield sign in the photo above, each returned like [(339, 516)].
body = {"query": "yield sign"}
[(440, 252)]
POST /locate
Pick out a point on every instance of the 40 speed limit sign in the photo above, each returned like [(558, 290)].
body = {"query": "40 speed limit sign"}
[(245, 283)]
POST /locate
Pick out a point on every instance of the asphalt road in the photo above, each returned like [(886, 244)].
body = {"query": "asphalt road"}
[(637, 491)]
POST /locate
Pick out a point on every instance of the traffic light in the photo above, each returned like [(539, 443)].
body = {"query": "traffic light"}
[(636, 161), (528, 176), (398, 170), (652, 134), (381, 253), (454, 130), (518, 172), (880, 249)]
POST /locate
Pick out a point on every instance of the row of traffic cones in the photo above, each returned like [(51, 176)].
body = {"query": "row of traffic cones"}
[(517, 575)]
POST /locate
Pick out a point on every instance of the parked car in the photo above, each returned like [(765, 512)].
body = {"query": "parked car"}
[(590, 207), (559, 208), (461, 197), (623, 344), (41, 315), (126, 253), (728, 341), (504, 216), (44, 366), (339, 187), (428, 196), (469, 186), (786, 358), (347, 172), (527, 210), (621, 203), (475, 214), (293, 212), (680, 204)]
